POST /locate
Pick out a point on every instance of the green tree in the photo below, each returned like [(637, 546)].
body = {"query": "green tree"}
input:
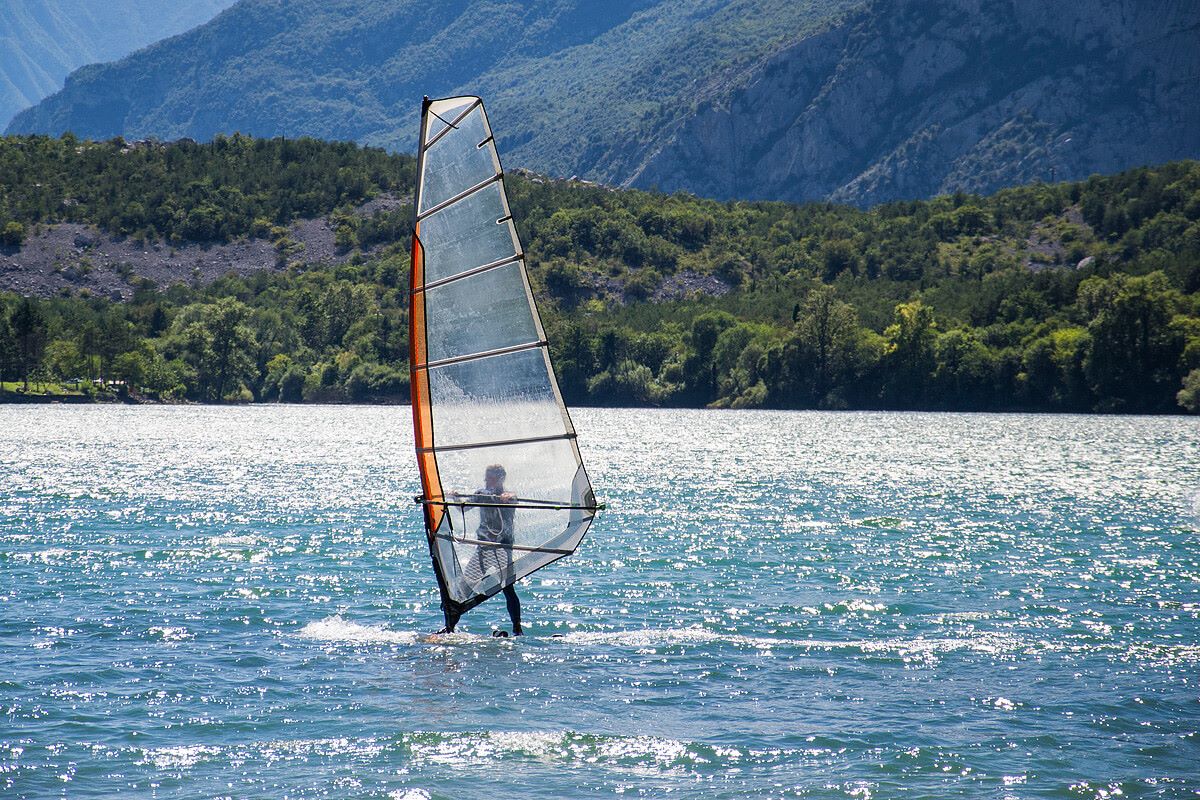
[(1053, 370), (1189, 396), (625, 383), (1132, 363), (965, 371), (837, 256), (219, 347), (825, 347), (909, 355), (12, 234), (63, 361), (376, 382), (284, 380), (322, 384), (738, 361), (700, 373), (29, 332), (8, 347), (574, 360), (116, 336), (166, 379), (274, 336)]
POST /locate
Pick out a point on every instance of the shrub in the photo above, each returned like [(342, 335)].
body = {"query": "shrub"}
[(13, 234), (1189, 395)]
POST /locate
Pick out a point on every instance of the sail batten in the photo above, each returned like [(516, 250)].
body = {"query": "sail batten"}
[(497, 443), (460, 196), (468, 273), (500, 351), (485, 399)]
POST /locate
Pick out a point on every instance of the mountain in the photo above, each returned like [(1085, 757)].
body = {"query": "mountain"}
[(564, 78), (760, 99), (43, 40), (914, 99)]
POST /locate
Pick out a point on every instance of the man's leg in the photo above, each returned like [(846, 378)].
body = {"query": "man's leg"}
[(514, 608), (448, 611), (451, 619)]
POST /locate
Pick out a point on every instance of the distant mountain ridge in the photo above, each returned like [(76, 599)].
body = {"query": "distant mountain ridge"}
[(563, 78), (761, 99), (41, 41), (911, 99)]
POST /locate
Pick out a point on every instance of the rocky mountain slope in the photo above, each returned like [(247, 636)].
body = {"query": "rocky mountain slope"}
[(564, 78), (43, 40), (74, 258), (914, 99), (745, 98)]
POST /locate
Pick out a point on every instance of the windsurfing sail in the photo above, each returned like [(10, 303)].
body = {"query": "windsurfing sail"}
[(483, 391)]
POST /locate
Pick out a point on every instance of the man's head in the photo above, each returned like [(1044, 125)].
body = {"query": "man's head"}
[(493, 478)]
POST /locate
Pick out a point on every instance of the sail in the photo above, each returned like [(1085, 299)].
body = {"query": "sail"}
[(483, 391)]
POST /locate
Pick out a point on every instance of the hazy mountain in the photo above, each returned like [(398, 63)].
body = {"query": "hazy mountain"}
[(41, 41), (725, 98), (563, 77)]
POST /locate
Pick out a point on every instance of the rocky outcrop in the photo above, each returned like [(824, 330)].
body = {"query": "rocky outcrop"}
[(910, 99)]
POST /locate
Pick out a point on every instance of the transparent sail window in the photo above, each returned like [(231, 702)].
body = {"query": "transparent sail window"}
[(456, 162), (480, 313), (443, 112), (497, 398), (481, 536), (537, 471), (467, 234), (473, 569)]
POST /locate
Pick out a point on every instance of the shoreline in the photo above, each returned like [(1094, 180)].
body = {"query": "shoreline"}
[(12, 398)]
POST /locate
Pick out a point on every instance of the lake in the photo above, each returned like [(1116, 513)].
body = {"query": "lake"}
[(234, 602)]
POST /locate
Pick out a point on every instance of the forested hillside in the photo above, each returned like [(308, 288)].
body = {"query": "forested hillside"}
[(1068, 297), (860, 101)]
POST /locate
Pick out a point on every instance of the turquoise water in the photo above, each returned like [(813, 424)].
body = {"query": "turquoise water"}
[(231, 602)]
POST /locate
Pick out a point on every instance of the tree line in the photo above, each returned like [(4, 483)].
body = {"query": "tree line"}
[(1060, 297)]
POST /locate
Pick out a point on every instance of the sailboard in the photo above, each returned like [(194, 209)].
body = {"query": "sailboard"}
[(484, 395)]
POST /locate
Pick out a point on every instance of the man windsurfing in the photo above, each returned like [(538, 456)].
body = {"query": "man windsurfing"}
[(495, 525)]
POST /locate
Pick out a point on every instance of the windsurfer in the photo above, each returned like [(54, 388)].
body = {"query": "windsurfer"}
[(495, 525)]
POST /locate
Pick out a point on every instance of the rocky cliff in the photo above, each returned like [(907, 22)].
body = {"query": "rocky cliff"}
[(910, 99)]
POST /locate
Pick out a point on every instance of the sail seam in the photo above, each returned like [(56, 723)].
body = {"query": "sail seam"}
[(461, 195), (441, 448), (521, 547), (451, 126), (468, 273), (500, 351)]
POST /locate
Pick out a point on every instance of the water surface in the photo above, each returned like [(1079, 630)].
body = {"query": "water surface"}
[(232, 602)]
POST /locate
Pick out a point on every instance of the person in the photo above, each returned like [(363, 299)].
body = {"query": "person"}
[(495, 525)]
